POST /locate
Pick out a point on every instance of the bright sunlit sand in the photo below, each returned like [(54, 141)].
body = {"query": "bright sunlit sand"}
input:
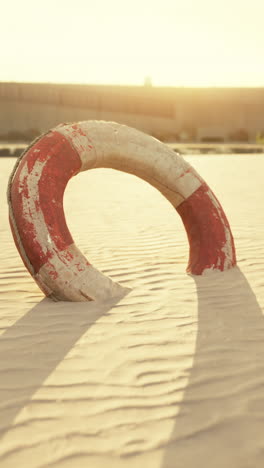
[(172, 375)]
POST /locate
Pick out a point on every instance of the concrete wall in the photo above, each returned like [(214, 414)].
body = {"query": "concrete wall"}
[(164, 112), (15, 115)]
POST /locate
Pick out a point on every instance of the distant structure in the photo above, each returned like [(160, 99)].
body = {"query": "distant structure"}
[(148, 81), (170, 114)]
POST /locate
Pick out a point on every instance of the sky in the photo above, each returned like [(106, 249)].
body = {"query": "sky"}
[(174, 43)]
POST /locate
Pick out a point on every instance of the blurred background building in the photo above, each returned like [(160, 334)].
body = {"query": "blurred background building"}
[(170, 114)]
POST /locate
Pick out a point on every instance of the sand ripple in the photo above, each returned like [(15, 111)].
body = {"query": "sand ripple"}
[(171, 376)]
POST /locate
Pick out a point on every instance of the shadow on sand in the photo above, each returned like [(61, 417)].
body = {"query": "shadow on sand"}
[(28, 355), (221, 418)]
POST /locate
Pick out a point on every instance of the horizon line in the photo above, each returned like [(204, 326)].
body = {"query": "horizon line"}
[(130, 85)]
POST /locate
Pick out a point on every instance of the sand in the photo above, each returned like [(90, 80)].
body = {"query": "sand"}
[(172, 375)]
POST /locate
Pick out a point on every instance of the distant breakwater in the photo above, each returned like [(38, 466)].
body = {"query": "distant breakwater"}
[(11, 150)]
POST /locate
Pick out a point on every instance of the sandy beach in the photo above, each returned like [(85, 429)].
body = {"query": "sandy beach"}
[(170, 376)]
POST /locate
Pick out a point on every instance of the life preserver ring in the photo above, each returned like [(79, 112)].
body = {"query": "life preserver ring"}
[(37, 218)]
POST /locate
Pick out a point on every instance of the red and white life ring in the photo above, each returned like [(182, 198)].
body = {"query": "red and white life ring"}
[(37, 218)]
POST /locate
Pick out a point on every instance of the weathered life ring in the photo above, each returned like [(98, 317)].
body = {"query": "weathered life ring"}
[(35, 195)]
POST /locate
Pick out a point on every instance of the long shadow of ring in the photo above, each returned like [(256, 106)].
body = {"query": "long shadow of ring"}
[(221, 418), (33, 347)]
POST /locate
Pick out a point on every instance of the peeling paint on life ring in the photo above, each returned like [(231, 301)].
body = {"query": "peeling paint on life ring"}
[(36, 205)]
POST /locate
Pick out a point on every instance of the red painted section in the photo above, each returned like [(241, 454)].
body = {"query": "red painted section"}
[(61, 163), (205, 227)]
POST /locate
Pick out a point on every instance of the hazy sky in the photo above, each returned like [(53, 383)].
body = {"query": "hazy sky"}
[(177, 43)]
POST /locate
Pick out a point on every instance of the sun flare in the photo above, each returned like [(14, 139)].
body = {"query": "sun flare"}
[(191, 43)]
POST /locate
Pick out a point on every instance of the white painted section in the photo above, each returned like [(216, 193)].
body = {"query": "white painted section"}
[(129, 150), (29, 203), (187, 184), (76, 281)]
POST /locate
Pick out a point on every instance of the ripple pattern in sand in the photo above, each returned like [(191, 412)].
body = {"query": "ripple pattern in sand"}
[(170, 374)]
